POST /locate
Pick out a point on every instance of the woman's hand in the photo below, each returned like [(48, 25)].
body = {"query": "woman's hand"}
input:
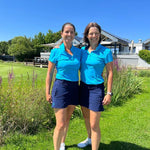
[(107, 100), (49, 98)]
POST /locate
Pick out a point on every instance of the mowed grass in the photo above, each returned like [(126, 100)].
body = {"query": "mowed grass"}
[(21, 71), (130, 123), (125, 127)]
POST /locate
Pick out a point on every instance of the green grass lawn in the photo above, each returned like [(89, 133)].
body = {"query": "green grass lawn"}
[(125, 127), (20, 70)]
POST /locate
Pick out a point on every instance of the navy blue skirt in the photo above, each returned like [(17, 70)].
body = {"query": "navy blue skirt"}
[(65, 93), (91, 96)]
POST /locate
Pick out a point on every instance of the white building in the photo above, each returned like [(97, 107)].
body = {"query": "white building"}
[(136, 47), (126, 51), (118, 45)]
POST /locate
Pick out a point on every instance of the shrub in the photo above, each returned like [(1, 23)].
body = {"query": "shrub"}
[(125, 84), (145, 55), (144, 73), (23, 105)]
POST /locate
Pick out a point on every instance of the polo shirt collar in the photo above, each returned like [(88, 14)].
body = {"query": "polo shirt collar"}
[(62, 46), (98, 47)]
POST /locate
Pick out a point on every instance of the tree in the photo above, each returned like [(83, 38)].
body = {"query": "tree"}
[(21, 48), (57, 36), (39, 39), (49, 38), (3, 48)]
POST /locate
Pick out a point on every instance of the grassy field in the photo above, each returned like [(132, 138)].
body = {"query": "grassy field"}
[(21, 70), (124, 127)]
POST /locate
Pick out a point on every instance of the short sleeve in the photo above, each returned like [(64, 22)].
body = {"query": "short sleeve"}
[(109, 56), (53, 56)]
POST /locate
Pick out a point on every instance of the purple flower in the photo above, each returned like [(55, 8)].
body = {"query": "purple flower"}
[(10, 75), (116, 65)]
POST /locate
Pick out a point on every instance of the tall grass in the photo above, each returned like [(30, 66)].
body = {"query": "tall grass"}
[(144, 73), (23, 106), (125, 83)]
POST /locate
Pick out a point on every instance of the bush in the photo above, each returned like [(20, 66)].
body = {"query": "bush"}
[(23, 105), (144, 73), (145, 55), (125, 84)]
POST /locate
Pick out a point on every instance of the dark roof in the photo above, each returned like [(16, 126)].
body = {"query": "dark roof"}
[(147, 41), (121, 40), (116, 39)]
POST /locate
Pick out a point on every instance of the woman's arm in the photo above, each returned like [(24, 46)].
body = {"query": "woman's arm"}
[(109, 68), (49, 77)]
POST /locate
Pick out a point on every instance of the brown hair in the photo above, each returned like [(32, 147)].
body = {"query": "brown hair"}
[(86, 31), (68, 23)]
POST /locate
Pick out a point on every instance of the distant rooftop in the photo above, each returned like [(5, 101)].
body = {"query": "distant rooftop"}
[(147, 41), (122, 40)]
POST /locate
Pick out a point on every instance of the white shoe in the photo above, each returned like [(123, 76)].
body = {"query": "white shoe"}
[(84, 143), (62, 146)]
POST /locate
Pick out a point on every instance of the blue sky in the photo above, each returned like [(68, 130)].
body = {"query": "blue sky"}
[(129, 19)]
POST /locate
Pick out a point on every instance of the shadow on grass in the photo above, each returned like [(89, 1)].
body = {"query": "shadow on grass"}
[(115, 145)]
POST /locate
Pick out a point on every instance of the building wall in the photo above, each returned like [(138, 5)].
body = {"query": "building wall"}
[(139, 46), (133, 61), (126, 49), (45, 55)]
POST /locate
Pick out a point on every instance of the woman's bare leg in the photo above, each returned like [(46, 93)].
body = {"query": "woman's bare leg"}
[(70, 110), (61, 117), (86, 115), (95, 129)]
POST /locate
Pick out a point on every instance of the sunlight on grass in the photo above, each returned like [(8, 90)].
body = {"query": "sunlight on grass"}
[(125, 127)]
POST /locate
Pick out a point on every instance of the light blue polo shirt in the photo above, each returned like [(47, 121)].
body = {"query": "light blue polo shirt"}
[(92, 64), (67, 66)]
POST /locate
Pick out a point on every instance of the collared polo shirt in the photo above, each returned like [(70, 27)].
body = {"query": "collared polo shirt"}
[(67, 65), (92, 64)]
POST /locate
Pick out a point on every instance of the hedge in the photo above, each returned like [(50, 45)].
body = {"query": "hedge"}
[(145, 55)]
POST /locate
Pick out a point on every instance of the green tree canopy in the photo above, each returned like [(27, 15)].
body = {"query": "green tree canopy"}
[(49, 38), (39, 39), (52, 37), (21, 48), (3, 48), (57, 36)]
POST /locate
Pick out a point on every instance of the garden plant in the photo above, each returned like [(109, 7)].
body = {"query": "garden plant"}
[(26, 117)]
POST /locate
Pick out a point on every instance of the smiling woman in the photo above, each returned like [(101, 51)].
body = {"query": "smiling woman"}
[(92, 98), (64, 96)]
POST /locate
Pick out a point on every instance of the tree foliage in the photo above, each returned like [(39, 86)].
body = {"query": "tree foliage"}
[(25, 48), (57, 36), (39, 39), (145, 55), (3, 48), (21, 48), (51, 37)]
